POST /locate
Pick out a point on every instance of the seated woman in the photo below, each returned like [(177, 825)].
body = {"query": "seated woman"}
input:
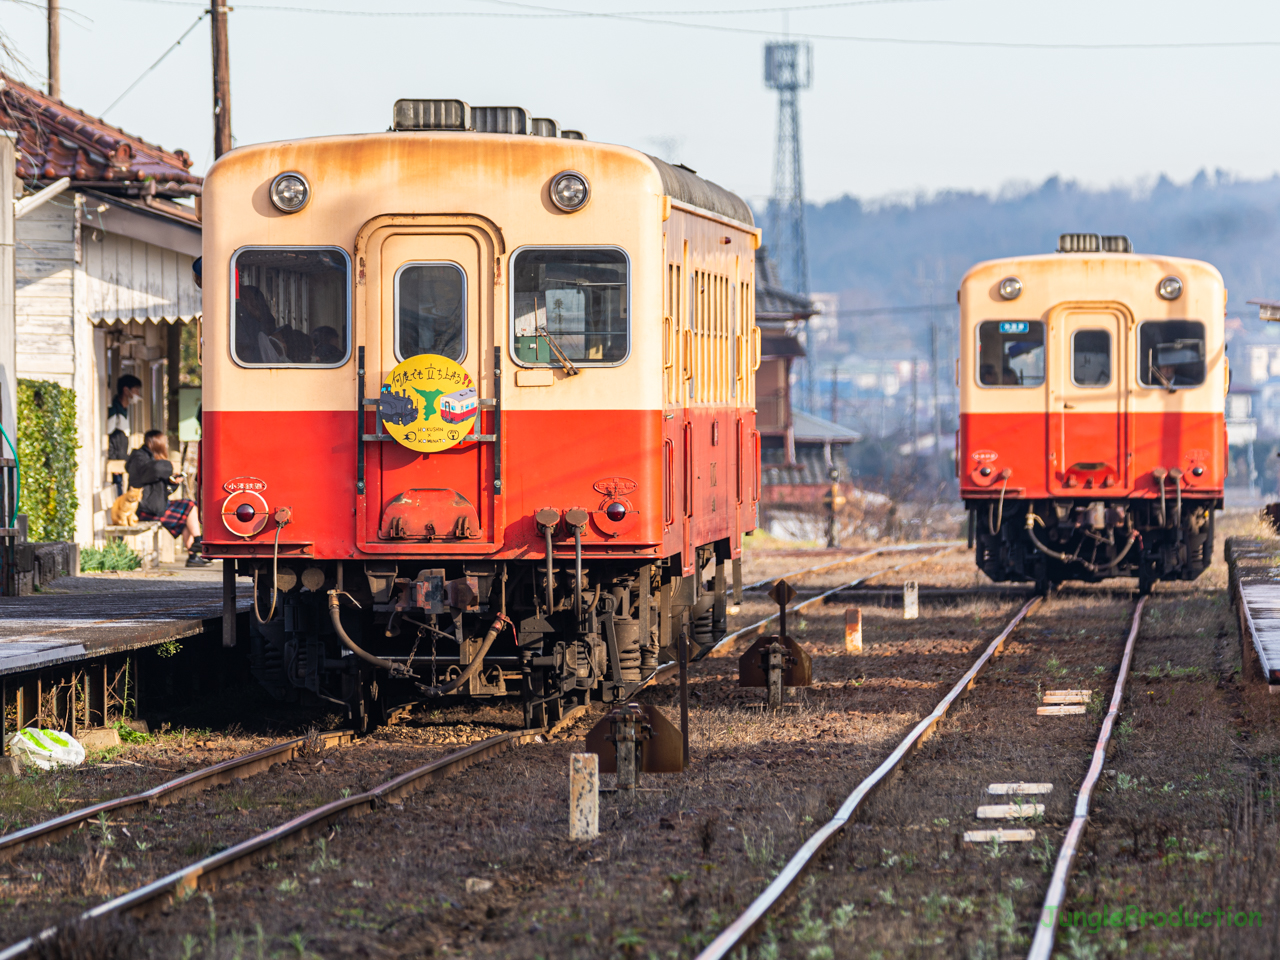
[(150, 471)]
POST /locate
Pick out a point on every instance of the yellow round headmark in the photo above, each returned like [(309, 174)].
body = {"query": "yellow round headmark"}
[(428, 403)]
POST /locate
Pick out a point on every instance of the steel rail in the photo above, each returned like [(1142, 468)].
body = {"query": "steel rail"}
[(1042, 945), (823, 567), (286, 836), (741, 928), (184, 786), (758, 628)]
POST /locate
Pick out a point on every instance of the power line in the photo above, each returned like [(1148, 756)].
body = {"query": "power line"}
[(555, 13), (177, 43)]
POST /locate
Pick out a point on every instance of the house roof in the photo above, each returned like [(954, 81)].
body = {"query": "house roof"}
[(810, 429), (55, 141), (773, 302)]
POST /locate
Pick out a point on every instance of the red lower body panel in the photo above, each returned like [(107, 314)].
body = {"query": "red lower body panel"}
[(683, 485), (1073, 455)]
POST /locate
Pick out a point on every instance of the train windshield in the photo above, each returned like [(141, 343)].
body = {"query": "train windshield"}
[(290, 307), (431, 310), (574, 299), (1171, 353), (1011, 353)]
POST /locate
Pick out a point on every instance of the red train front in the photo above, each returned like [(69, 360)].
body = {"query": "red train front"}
[(1092, 442), (540, 538)]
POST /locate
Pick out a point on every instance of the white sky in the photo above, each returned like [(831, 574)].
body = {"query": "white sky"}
[(880, 119)]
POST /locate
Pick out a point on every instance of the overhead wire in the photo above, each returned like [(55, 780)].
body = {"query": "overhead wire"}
[(174, 46), (539, 12)]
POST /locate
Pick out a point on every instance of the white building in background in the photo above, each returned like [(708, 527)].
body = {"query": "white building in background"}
[(103, 274)]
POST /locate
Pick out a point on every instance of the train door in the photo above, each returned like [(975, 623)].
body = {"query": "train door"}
[(1088, 442), (428, 290)]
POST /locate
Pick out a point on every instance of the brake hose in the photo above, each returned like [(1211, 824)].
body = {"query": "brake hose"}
[(476, 663), (275, 579)]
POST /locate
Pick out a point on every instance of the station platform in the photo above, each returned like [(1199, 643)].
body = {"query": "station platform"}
[(92, 615), (1254, 566)]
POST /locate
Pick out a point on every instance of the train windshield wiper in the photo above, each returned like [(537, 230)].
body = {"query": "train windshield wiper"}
[(569, 369)]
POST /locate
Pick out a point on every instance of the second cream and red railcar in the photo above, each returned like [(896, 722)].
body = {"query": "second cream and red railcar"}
[(601, 303), (1092, 442)]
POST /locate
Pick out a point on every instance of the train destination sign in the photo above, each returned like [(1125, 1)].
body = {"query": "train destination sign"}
[(1014, 326), (428, 403)]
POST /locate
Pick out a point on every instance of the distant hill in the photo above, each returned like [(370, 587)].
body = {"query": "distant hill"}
[(874, 253)]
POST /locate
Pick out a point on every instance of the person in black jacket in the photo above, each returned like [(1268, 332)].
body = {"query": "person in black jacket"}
[(128, 391), (150, 470)]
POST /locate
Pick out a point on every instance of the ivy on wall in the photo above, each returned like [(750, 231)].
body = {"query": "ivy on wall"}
[(47, 458)]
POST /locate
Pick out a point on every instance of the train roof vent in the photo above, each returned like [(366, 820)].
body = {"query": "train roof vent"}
[(500, 120), (572, 135), (431, 115), (1116, 245), (1079, 243), (544, 127)]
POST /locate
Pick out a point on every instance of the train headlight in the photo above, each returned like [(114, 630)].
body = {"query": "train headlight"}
[(1010, 288), (1170, 288), (569, 191), (290, 192)]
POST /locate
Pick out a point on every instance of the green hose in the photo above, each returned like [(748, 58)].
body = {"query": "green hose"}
[(17, 471)]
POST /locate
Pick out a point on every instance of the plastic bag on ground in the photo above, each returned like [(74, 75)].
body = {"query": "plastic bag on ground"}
[(45, 749)]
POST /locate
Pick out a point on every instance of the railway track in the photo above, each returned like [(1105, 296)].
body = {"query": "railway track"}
[(208, 871), (740, 931), (187, 785)]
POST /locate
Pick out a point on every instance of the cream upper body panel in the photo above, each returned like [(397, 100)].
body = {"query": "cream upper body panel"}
[(1055, 285), (487, 177)]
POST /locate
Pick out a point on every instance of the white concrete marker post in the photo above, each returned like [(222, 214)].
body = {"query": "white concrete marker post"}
[(853, 630), (910, 600), (584, 796)]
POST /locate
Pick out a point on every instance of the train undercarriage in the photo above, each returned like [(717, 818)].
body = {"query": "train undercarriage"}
[(1052, 540), (373, 636)]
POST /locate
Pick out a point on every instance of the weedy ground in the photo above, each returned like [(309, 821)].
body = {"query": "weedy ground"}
[(481, 866)]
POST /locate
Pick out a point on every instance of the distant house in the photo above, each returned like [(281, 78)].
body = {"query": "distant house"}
[(798, 449), (102, 274)]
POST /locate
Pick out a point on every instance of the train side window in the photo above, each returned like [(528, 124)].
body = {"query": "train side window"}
[(431, 310), (1011, 353), (1091, 358), (574, 301), (1171, 353), (291, 307)]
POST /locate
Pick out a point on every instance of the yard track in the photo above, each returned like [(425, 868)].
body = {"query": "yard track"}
[(740, 931), (208, 871)]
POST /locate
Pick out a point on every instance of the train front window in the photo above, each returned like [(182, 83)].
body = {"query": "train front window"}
[(431, 310), (290, 307), (570, 301), (1171, 353), (1091, 358), (1011, 353)]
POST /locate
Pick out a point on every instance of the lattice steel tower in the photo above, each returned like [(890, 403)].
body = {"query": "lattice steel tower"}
[(788, 69)]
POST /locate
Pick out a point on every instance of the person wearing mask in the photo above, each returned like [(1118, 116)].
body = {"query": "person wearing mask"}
[(128, 391), (150, 470)]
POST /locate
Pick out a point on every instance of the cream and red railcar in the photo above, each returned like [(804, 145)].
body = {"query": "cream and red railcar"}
[(599, 302), (1092, 442)]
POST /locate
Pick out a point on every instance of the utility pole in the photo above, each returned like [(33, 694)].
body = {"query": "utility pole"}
[(835, 380), (937, 410), (221, 82), (915, 412), (55, 60)]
